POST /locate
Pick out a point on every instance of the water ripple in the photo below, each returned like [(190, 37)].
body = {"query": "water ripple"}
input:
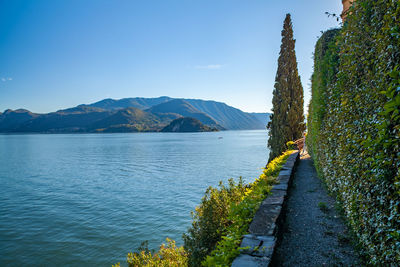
[(70, 200)]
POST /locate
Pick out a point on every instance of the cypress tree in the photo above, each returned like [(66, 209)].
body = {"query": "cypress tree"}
[(287, 119)]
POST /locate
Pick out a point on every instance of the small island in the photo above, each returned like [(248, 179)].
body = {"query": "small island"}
[(187, 124)]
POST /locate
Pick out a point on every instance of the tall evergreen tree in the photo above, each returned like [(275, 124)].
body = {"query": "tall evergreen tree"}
[(287, 120)]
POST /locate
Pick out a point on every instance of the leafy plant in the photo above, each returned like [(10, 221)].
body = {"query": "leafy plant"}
[(168, 255), (242, 213), (210, 219)]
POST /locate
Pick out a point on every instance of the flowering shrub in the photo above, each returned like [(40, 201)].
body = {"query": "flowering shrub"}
[(354, 123)]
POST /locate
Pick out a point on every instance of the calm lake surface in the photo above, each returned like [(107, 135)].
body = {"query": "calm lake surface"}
[(89, 199)]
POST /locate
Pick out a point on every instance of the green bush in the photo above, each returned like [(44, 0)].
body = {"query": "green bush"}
[(354, 122), (169, 255), (241, 214), (210, 219)]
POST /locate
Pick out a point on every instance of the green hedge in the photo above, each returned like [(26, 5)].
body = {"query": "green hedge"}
[(354, 123)]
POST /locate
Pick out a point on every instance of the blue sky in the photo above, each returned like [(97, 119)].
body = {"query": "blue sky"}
[(58, 54)]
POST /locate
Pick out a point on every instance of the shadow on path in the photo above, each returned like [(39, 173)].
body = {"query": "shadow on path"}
[(313, 232)]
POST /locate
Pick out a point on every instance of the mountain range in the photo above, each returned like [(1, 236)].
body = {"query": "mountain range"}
[(131, 115)]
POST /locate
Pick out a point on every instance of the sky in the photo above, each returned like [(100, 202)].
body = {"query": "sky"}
[(59, 54)]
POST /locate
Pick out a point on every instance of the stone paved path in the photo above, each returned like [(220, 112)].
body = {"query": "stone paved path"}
[(313, 232)]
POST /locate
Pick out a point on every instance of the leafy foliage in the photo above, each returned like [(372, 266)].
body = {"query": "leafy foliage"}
[(354, 120), (210, 219), (287, 120), (241, 214), (169, 255)]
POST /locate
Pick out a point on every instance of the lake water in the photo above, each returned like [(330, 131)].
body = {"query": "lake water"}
[(89, 199)]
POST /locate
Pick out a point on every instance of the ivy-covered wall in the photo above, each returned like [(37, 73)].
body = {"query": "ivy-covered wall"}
[(354, 123)]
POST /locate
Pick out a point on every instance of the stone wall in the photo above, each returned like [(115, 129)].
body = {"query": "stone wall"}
[(265, 229)]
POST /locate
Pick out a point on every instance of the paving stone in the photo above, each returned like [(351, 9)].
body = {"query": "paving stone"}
[(291, 161), (289, 164), (266, 248), (283, 179), (280, 187), (285, 172), (251, 243), (275, 191), (284, 176), (264, 221), (295, 156), (266, 238), (250, 236), (276, 199), (244, 260)]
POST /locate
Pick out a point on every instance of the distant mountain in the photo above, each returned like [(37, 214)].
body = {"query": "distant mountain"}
[(226, 116), (187, 125), (79, 110), (183, 108), (130, 115), (264, 118), (10, 120), (137, 102), (69, 120)]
